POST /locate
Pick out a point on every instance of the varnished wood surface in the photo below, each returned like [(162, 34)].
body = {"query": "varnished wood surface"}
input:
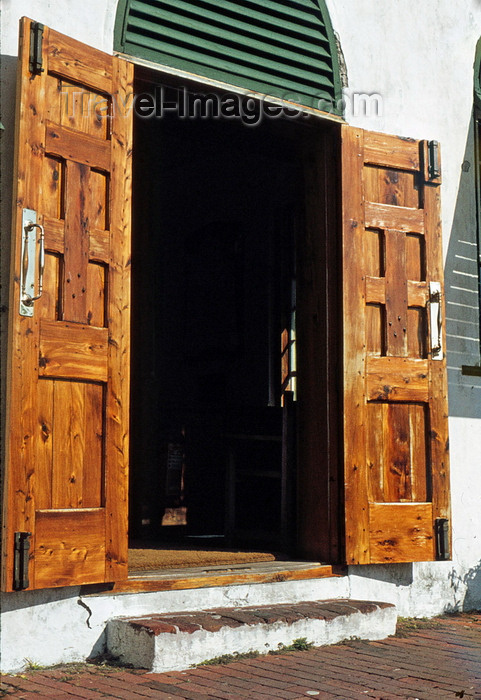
[(64, 553), (387, 216), (401, 532), (18, 497), (117, 403), (84, 64), (354, 343), (73, 351), (392, 151), (399, 378), (75, 146), (69, 366), (207, 577), (394, 392)]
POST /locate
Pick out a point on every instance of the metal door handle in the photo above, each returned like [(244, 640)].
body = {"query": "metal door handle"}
[(28, 299), (30, 288), (436, 320)]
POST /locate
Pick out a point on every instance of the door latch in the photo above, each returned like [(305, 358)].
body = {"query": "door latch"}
[(434, 167), (28, 264)]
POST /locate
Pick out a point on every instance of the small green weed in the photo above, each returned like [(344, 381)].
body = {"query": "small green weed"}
[(300, 644), (229, 658), (406, 625)]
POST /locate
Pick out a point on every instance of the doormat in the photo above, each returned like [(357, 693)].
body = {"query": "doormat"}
[(149, 558)]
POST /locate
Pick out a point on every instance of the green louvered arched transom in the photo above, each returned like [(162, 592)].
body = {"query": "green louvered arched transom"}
[(285, 49)]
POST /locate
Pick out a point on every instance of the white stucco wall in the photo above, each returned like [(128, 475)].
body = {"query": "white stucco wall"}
[(418, 58)]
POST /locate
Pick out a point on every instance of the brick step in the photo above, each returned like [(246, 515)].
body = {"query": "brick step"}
[(175, 641)]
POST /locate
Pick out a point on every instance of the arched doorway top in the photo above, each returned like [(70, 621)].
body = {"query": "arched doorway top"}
[(284, 49)]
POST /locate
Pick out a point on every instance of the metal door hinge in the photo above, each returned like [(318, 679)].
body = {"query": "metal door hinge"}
[(442, 539), (22, 553), (434, 167), (36, 37)]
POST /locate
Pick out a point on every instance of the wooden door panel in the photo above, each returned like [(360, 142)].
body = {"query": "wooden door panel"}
[(64, 554), (67, 447), (397, 458), (396, 378), (73, 351), (395, 407), (401, 532)]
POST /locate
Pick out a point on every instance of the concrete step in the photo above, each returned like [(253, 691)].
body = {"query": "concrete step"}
[(175, 641)]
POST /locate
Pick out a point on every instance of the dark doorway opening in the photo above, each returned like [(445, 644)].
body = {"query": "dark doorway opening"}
[(216, 216)]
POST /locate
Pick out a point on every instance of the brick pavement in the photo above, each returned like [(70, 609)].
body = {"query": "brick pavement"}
[(429, 660)]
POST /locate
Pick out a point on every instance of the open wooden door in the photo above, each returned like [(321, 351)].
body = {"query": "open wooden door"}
[(65, 515), (395, 393)]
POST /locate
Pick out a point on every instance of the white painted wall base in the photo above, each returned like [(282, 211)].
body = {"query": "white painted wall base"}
[(60, 626)]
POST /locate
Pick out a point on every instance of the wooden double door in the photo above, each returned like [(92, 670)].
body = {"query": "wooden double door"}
[(373, 478)]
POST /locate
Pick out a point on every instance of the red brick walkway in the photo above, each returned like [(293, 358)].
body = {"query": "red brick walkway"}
[(434, 660)]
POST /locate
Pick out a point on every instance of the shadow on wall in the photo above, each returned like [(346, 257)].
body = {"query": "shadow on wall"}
[(467, 589), (397, 574), (462, 295)]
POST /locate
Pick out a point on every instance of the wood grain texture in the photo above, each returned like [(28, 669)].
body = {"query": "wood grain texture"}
[(59, 373), (54, 234), (391, 151), (401, 532), (96, 294), (397, 378), (415, 257), (117, 400), (390, 187), (53, 188), (69, 444), (44, 445), (397, 453), (99, 246), (396, 294), (76, 243), (64, 554), (375, 418), (193, 580), (417, 292), (420, 459), (73, 351), (83, 64), (51, 288), (77, 445), (73, 145), (388, 216), (438, 437), (417, 331), (402, 409), (22, 410), (375, 329), (83, 110), (355, 466)]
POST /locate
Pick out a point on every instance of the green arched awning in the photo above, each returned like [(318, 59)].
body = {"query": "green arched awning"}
[(285, 49)]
